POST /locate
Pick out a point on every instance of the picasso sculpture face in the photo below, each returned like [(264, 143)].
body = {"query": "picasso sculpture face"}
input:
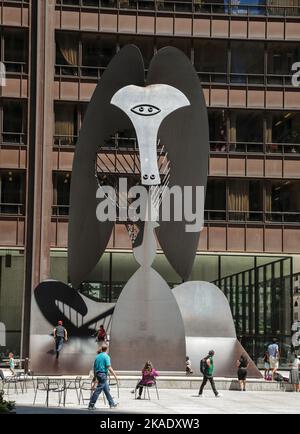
[(147, 107), (167, 107)]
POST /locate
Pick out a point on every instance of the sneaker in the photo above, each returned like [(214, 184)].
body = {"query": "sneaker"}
[(138, 397), (219, 395), (114, 405), (91, 407)]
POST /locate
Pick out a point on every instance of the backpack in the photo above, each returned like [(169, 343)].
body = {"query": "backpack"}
[(278, 377), (203, 366)]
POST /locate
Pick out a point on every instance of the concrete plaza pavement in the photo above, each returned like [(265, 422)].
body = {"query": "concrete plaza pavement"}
[(175, 401)]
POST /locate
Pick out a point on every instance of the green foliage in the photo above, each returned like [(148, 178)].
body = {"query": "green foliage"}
[(6, 406)]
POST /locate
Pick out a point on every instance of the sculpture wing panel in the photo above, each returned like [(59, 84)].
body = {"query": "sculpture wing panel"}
[(185, 135), (88, 237)]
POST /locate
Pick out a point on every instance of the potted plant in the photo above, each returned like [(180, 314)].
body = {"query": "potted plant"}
[(6, 406)]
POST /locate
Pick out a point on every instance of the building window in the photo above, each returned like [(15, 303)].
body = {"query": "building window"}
[(249, 130), (61, 193), (11, 193), (211, 68), (67, 117), (283, 201), (67, 53), (14, 50), (281, 57), (215, 203), (245, 67), (98, 51), (83, 56), (218, 130), (245, 200), (285, 130), (13, 123)]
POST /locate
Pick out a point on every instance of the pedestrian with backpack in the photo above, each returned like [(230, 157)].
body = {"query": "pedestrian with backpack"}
[(207, 369)]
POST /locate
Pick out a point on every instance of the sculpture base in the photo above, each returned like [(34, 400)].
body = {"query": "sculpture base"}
[(147, 325), (228, 351)]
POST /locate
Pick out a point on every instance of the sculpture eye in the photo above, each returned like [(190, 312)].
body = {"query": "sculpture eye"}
[(146, 110)]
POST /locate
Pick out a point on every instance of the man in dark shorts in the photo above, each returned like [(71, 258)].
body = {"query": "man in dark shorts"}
[(60, 335)]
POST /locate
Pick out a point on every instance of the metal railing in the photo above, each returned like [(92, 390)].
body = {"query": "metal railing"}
[(226, 7), (12, 139), (251, 216), (65, 141), (290, 149), (15, 67), (95, 73), (60, 210), (12, 209), (125, 144), (222, 216)]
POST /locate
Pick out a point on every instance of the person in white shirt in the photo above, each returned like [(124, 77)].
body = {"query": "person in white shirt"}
[(294, 374), (274, 355)]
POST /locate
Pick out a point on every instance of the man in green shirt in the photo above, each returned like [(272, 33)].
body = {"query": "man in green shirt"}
[(208, 374)]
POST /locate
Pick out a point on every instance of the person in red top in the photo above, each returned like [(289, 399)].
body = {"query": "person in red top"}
[(101, 336), (149, 375)]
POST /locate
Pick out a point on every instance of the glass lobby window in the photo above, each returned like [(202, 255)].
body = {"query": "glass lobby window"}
[(67, 53), (11, 193), (145, 44), (61, 193), (215, 202), (205, 268), (124, 266), (66, 124), (247, 62), (13, 122), (281, 57), (217, 130), (285, 129), (249, 128), (97, 284), (15, 52), (163, 267), (282, 201), (211, 67), (11, 297)]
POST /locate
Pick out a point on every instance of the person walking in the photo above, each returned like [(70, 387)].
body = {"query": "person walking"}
[(60, 335), (188, 366), (102, 366), (242, 365), (294, 374), (266, 365), (12, 364), (274, 355), (101, 336), (207, 369), (149, 375)]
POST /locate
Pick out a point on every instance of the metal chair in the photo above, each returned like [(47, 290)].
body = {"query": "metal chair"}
[(112, 383), (73, 385), (50, 385), (14, 380), (146, 389), (87, 386)]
